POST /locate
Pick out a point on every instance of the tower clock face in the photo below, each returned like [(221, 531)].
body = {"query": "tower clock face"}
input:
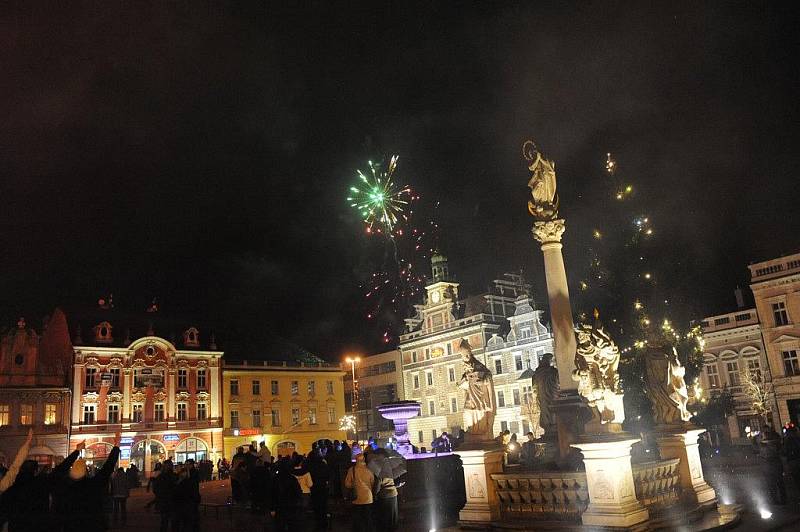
[(435, 297)]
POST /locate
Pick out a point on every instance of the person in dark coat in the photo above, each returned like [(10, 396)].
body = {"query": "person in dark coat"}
[(163, 488), (321, 477), (186, 498), (84, 496), (770, 456), (133, 476), (287, 499)]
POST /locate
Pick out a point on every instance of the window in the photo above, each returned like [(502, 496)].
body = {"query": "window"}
[(518, 361), (453, 404), (525, 332), (256, 419), (295, 388), (88, 414), (295, 415), (234, 419), (433, 434), (202, 413), (498, 366), (429, 378), (256, 387), (504, 426), (427, 353), (415, 377), (276, 417), (733, 373), (25, 414), (515, 393), (182, 378), (181, 411), (413, 356), (712, 372), (742, 317), (431, 408), (234, 386), (754, 369), (331, 414), (312, 415), (722, 321), (791, 365), (420, 437), (49, 414), (312, 387), (329, 386), (159, 412), (113, 414), (501, 398), (201, 379), (114, 377), (779, 313), (137, 415), (91, 375), (274, 387), (451, 373), (4, 415), (449, 348)]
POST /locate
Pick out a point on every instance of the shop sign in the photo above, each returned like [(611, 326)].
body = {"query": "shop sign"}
[(246, 432), (126, 441), (171, 437)]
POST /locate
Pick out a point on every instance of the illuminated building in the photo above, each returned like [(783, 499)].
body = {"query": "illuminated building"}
[(732, 348), (287, 402), (380, 380), (163, 398), (34, 389), (776, 287), (432, 367)]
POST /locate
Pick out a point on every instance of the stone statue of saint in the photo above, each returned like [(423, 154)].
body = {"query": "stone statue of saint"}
[(597, 360), (545, 386), (665, 386), (479, 406), (544, 198)]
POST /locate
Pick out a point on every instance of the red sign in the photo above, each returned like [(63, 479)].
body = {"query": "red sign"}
[(249, 432)]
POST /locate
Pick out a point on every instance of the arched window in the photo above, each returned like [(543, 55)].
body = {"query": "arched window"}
[(285, 448), (191, 448), (102, 333)]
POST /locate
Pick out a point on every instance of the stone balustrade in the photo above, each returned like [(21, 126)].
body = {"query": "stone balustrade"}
[(658, 483), (563, 496)]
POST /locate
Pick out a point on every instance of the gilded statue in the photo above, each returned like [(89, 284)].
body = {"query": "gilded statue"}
[(543, 205), (479, 406), (597, 360), (665, 385), (545, 386)]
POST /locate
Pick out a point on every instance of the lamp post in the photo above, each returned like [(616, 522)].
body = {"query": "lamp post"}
[(353, 361)]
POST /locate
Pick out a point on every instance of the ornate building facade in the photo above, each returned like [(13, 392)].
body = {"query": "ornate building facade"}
[(776, 287), (34, 389), (734, 352), (432, 367), (163, 398)]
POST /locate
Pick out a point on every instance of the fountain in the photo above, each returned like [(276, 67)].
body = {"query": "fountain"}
[(399, 412)]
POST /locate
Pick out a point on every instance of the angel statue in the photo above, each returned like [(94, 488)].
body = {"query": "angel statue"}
[(597, 360), (544, 203), (479, 406), (665, 385)]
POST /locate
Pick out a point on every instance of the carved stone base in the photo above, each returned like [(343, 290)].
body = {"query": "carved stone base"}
[(612, 494), (571, 414), (482, 505), (680, 442)]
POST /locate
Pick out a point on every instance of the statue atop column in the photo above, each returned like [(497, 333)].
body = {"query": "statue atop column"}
[(479, 406), (597, 360), (545, 387), (665, 385), (543, 204)]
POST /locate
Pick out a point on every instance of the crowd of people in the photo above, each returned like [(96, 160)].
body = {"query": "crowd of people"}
[(294, 490)]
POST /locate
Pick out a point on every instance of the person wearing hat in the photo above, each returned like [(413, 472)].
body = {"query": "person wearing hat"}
[(84, 496)]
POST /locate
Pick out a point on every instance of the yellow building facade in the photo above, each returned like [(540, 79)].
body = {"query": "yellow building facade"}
[(287, 405)]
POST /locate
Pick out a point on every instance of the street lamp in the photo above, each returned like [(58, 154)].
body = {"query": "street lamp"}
[(353, 361)]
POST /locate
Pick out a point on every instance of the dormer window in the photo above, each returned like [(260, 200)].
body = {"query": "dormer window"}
[(102, 333), (191, 337)]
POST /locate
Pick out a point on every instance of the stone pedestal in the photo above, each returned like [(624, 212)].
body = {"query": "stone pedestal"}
[(571, 414), (612, 494), (681, 443), (482, 505)]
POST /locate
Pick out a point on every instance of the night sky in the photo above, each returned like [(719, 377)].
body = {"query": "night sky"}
[(202, 155)]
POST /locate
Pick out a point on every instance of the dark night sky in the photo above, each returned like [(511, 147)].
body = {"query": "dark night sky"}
[(202, 155)]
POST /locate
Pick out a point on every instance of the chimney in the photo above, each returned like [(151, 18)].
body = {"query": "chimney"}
[(739, 298)]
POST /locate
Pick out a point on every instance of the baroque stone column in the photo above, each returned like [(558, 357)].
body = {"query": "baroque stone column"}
[(548, 233)]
